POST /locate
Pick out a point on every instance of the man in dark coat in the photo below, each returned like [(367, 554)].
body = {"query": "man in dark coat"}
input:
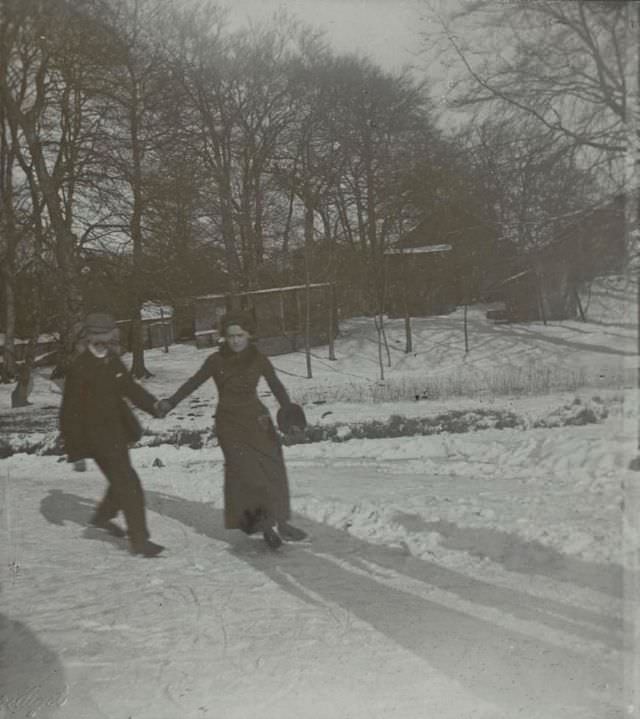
[(96, 422)]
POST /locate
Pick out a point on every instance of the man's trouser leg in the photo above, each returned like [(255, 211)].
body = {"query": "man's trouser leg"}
[(124, 493), (108, 506)]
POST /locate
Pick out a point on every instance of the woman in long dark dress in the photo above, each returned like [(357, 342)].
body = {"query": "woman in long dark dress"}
[(256, 489)]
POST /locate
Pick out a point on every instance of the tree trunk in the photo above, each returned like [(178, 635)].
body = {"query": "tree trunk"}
[(71, 297), (383, 332), (378, 323), (165, 341), (9, 281), (540, 297), (380, 282), (466, 329), (287, 225), (138, 368), (332, 322), (9, 354), (232, 260), (408, 348), (258, 231), (581, 313), (24, 384), (298, 321), (22, 390), (8, 267), (247, 241), (383, 299), (283, 320), (308, 235)]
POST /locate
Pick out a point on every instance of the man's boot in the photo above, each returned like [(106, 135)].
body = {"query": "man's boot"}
[(108, 526), (145, 548)]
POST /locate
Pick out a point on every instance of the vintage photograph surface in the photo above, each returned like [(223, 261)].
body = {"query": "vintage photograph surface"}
[(319, 359)]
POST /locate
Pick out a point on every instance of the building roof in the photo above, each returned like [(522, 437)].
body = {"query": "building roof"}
[(288, 288), (425, 249)]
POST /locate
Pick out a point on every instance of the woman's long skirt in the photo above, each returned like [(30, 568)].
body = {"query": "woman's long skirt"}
[(256, 489)]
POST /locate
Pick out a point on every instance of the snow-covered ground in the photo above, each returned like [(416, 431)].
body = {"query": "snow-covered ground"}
[(468, 574)]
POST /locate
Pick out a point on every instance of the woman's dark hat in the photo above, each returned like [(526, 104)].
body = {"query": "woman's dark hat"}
[(291, 416), (243, 319)]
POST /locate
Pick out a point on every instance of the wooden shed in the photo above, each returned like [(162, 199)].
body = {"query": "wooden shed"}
[(541, 288), (420, 281), (280, 314), (543, 285), (158, 328)]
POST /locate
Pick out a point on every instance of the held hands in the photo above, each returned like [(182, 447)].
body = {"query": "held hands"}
[(295, 434), (162, 408)]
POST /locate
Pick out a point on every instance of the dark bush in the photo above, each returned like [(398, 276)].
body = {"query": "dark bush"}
[(455, 422)]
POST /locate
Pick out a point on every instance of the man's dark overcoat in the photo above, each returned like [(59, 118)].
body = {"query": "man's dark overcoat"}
[(94, 416), (256, 488)]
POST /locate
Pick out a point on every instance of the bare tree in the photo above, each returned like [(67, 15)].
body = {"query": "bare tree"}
[(135, 89), (9, 240), (238, 83), (569, 66), (48, 55), (380, 120), (26, 95), (310, 163)]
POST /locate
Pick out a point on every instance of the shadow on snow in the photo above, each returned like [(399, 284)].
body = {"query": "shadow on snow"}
[(503, 665), (32, 678), (518, 555)]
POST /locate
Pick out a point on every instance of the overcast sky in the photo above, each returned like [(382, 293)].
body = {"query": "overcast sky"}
[(388, 31)]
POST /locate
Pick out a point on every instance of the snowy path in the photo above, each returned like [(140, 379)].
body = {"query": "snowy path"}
[(340, 628)]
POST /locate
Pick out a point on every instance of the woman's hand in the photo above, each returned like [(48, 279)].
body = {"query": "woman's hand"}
[(162, 408), (295, 434)]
